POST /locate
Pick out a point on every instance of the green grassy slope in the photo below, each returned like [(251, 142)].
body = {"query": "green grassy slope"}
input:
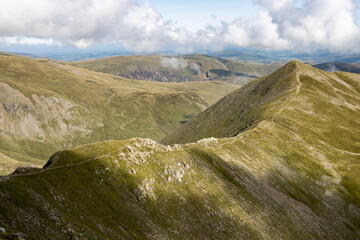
[(294, 175), (182, 68), (257, 104), (46, 106)]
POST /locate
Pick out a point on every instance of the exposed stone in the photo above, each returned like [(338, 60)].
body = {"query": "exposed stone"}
[(175, 173), (146, 189)]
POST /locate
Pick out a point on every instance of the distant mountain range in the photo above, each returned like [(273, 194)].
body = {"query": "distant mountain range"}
[(266, 57), (184, 68), (275, 159), (245, 55), (339, 66)]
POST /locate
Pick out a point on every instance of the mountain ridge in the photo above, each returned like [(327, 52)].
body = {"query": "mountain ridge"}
[(293, 176), (241, 117), (248, 96)]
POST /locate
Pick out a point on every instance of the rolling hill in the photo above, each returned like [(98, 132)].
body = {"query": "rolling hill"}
[(182, 68), (47, 105), (339, 66), (293, 173)]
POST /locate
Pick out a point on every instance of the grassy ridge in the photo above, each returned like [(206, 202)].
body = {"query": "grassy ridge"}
[(47, 106), (292, 175), (257, 104), (223, 188)]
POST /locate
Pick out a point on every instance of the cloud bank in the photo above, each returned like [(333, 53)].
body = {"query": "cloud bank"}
[(318, 24), (281, 24), (84, 22)]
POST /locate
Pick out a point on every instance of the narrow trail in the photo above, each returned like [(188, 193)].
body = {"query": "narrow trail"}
[(298, 87), (133, 119), (121, 114), (43, 170), (109, 100)]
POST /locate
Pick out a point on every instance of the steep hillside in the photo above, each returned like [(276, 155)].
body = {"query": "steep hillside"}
[(339, 66), (182, 68), (259, 103), (46, 106), (294, 174)]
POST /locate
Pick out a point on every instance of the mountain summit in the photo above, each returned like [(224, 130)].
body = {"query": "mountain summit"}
[(296, 97)]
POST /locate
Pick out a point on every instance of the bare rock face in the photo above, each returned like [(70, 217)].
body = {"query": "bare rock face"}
[(175, 173), (39, 118)]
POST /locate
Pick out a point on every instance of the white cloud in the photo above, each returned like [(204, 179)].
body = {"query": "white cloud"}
[(174, 63), (82, 43), (29, 41), (258, 32), (84, 22), (326, 24), (282, 24), (318, 24)]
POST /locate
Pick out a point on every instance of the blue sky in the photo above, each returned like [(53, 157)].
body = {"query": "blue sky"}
[(195, 15), (357, 16), (182, 26), (185, 11)]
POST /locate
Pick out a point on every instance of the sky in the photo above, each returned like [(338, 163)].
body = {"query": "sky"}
[(181, 26), (194, 15)]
